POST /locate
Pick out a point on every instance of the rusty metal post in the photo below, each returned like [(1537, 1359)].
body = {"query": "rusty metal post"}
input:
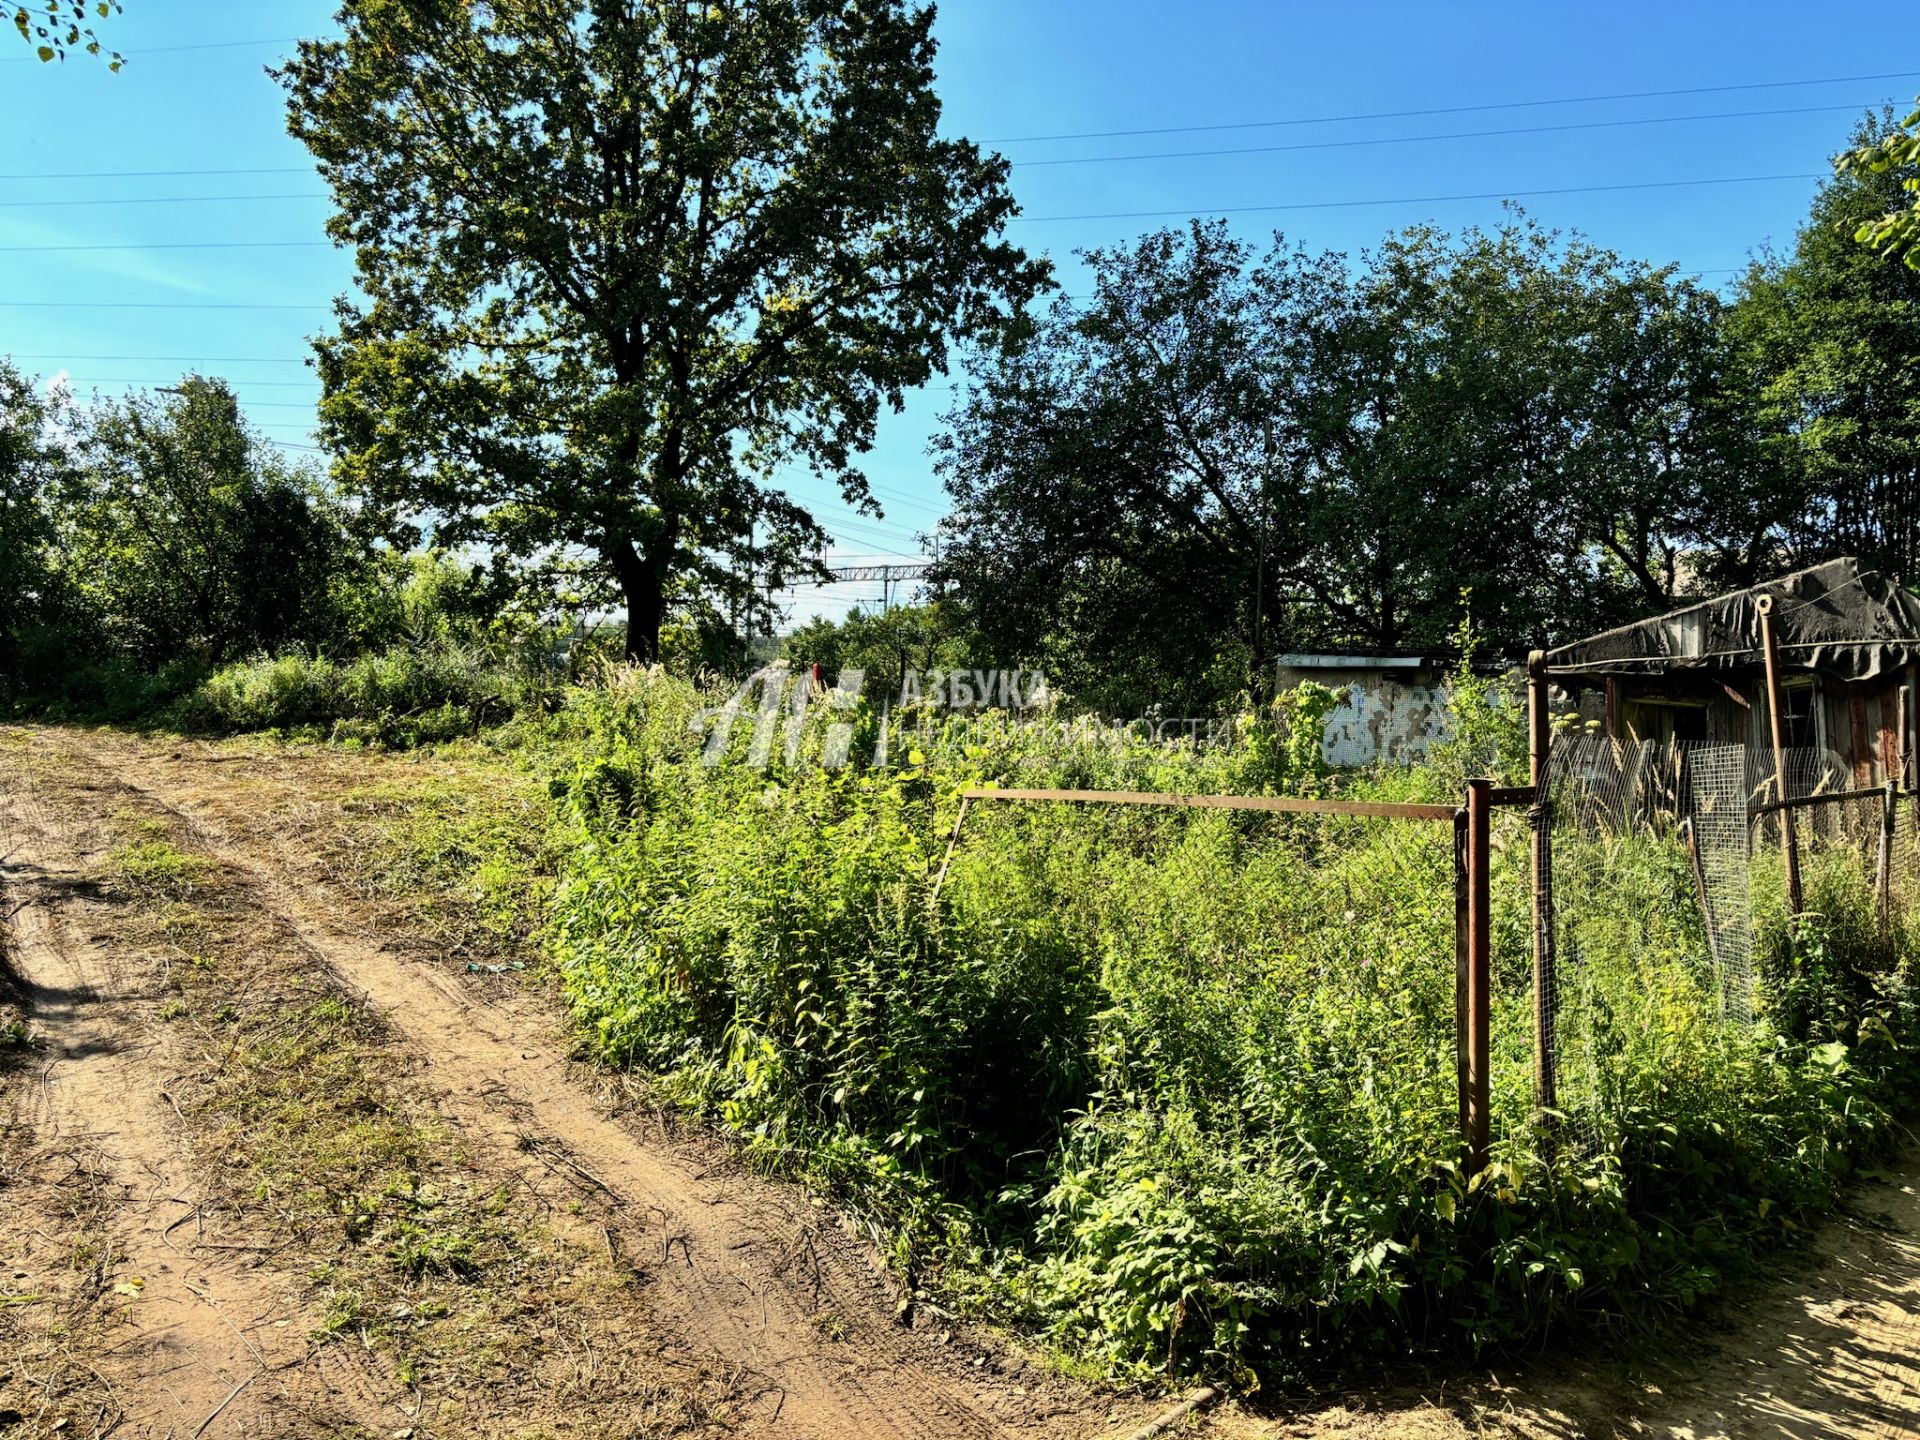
[(1474, 968), (1546, 1086), (1461, 945), (1883, 873), (1776, 718), (1910, 739)]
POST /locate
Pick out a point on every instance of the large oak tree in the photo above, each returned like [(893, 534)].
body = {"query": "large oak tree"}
[(622, 260)]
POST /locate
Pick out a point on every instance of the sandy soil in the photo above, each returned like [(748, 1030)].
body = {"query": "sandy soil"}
[(754, 1282), (196, 1332)]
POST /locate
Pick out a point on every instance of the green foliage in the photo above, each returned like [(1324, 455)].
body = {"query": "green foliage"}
[(1895, 234), (30, 595), (145, 541), (402, 695), (53, 27), (1223, 453), (1486, 716), (153, 869), (664, 251), (188, 537), (885, 645), (1829, 338), (1178, 1087)]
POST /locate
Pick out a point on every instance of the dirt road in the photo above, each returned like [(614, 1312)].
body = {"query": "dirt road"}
[(753, 1286), (737, 1304)]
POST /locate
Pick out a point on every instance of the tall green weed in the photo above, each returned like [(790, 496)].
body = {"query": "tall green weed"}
[(1178, 1087)]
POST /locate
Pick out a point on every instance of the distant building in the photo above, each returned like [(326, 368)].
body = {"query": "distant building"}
[(1393, 708)]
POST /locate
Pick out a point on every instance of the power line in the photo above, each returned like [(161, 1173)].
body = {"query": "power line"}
[(145, 174), (157, 200), (132, 380), (895, 554), (873, 534), (180, 49), (149, 305), (1406, 199), (1092, 159), (1454, 109), (166, 245), (177, 359), (1446, 135)]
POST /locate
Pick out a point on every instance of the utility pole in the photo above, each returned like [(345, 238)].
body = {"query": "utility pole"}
[(753, 549)]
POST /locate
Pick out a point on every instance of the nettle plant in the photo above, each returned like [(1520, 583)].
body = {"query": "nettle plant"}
[(1177, 1089)]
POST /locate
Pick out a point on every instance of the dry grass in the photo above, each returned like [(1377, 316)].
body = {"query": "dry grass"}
[(49, 1333), (489, 1304)]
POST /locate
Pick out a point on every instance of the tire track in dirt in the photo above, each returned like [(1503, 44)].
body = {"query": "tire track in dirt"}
[(754, 1282), (204, 1344)]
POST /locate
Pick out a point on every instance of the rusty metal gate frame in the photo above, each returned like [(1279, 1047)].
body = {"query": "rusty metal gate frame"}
[(1472, 870)]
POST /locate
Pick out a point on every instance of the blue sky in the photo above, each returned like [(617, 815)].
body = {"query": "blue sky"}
[(194, 97)]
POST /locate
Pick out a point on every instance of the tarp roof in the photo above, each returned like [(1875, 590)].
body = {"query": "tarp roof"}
[(1837, 618)]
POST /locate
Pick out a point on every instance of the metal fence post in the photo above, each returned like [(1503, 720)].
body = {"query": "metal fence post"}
[(1461, 945), (1474, 970), (1539, 739)]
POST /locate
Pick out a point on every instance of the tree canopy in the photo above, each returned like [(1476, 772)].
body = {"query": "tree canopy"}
[(1226, 453), (886, 646), (1829, 339), (191, 538), (622, 262), (30, 467)]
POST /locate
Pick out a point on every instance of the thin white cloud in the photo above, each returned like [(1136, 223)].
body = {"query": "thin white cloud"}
[(120, 264)]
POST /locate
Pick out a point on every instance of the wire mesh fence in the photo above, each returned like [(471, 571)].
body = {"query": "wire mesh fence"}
[(1667, 865)]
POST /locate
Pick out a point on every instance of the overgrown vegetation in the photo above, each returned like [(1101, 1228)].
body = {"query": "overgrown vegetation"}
[(1178, 1088), (1175, 1088)]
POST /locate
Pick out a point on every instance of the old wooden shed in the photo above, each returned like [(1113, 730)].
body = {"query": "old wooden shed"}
[(1849, 644)]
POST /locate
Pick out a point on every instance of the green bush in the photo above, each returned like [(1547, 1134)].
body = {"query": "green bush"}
[(1178, 1086), (403, 695)]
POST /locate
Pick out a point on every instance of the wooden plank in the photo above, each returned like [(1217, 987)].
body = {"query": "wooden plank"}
[(1789, 841), (1861, 757), (1288, 804), (1888, 740)]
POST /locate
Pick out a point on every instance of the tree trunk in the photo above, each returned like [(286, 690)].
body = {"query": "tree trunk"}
[(643, 587)]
